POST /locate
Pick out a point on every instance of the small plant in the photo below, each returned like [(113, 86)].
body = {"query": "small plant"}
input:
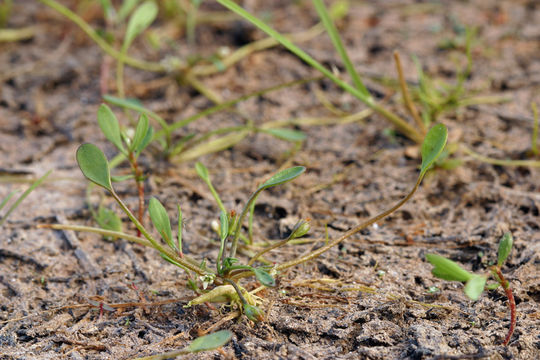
[(229, 269), (475, 284)]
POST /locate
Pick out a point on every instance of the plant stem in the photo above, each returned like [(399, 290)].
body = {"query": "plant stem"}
[(511, 304), (351, 232), (185, 261), (407, 96), (140, 64), (140, 187), (482, 158)]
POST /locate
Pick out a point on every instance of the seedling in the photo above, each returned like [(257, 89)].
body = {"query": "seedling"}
[(130, 146), (229, 269), (475, 284)]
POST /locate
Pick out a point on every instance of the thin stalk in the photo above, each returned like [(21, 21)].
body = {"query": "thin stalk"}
[(191, 264), (488, 160), (23, 196), (401, 124), (511, 304), (338, 44), (136, 63), (407, 96), (153, 241), (267, 249), (238, 227), (140, 186), (351, 232), (230, 103)]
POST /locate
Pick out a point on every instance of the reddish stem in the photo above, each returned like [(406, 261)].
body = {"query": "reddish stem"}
[(511, 304)]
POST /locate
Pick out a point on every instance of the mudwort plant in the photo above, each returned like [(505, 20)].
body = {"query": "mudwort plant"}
[(475, 284), (222, 281)]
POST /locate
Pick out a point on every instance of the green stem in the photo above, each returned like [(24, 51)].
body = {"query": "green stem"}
[(139, 64), (401, 124), (351, 232)]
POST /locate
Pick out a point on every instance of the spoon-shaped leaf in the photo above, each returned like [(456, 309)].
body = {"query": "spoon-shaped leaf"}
[(108, 124), (94, 165), (283, 176), (142, 17), (264, 277), (161, 221), (475, 286), (505, 246), (210, 342), (432, 146), (447, 269)]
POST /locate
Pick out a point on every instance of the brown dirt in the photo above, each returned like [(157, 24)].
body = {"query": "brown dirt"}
[(49, 94)]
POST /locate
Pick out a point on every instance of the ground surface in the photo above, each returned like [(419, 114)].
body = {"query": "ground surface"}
[(49, 94)]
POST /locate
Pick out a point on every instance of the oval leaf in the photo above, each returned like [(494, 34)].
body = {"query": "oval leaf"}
[(447, 269), (505, 246), (161, 221), (210, 342), (287, 134), (475, 286), (264, 277), (283, 177), (432, 146), (94, 165), (108, 123), (143, 16), (202, 171)]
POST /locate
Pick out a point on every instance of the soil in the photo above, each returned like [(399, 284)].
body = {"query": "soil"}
[(49, 94)]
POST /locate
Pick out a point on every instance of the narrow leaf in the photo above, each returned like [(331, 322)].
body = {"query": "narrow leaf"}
[(110, 127), (142, 17), (264, 277), (447, 269), (140, 132), (161, 221), (126, 8), (283, 177), (286, 134), (224, 223), (146, 141), (505, 246), (210, 342), (202, 171), (94, 165), (432, 146), (180, 222), (475, 286)]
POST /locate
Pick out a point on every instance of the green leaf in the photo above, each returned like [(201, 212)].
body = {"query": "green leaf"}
[(110, 127), (94, 165), (202, 171), (447, 269), (210, 342), (161, 221), (224, 222), (475, 286), (505, 246), (140, 133), (286, 134), (264, 277), (432, 146), (283, 176), (107, 219), (142, 17), (126, 8)]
